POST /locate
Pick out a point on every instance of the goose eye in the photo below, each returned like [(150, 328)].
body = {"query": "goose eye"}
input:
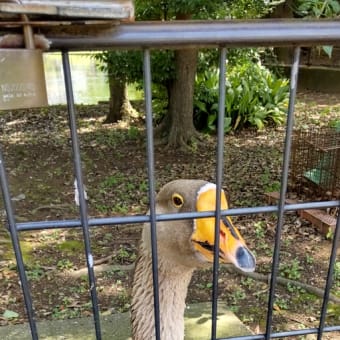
[(177, 200)]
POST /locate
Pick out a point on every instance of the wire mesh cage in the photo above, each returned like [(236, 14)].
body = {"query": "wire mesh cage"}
[(316, 161)]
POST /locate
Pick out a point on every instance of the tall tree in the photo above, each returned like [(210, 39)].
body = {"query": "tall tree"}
[(178, 127), (175, 70), (113, 64)]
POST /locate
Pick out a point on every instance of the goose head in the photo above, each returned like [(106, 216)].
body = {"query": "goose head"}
[(190, 243)]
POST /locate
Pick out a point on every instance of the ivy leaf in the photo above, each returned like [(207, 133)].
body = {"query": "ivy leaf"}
[(9, 314), (328, 50), (335, 6)]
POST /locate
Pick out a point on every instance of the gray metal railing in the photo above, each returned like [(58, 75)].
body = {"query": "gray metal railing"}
[(158, 35)]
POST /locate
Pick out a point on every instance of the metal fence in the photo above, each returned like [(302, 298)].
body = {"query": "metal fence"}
[(172, 35)]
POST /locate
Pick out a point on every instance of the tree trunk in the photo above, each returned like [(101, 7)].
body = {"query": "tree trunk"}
[(119, 105), (283, 11), (181, 128), (178, 124)]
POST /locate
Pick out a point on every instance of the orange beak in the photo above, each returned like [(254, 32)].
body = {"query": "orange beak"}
[(232, 247)]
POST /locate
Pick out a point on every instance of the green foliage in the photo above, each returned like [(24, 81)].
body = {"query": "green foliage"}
[(9, 314), (169, 10), (281, 303), (237, 295), (125, 255), (69, 246), (245, 9), (65, 264), (309, 259), (335, 124), (259, 229), (336, 274), (330, 234), (317, 8), (202, 9), (206, 100), (333, 311), (268, 183), (254, 97), (127, 66), (291, 270), (256, 100), (35, 272)]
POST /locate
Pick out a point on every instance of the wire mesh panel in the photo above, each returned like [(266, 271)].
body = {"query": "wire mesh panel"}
[(316, 160), (204, 34)]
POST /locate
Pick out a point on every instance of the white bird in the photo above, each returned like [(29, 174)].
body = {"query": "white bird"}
[(182, 246)]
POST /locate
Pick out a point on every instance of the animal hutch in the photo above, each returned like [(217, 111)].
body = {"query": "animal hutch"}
[(315, 164), (98, 25)]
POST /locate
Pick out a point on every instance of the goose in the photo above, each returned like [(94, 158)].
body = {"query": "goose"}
[(182, 247)]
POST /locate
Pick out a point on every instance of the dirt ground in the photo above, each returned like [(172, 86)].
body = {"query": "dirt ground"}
[(36, 146)]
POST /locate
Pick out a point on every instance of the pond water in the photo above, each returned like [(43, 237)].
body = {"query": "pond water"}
[(90, 85)]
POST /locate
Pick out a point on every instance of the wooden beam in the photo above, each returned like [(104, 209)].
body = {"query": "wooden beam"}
[(319, 218), (122, 9)]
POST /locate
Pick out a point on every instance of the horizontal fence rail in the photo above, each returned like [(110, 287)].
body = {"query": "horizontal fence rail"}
[(175, 35), (95, 222)]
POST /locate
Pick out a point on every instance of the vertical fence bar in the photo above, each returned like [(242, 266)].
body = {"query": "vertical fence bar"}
[(17, 249), (329, 280), (283, 190), (151, 180), (80, 188), (219, 175)]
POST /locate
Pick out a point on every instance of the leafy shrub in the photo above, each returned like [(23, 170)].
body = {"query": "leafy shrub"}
[(317, 8), (254, 97)]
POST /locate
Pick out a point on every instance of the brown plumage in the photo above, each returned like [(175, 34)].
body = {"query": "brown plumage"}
[(183, 246)]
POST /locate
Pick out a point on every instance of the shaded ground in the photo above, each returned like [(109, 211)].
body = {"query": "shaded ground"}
[(36, 145)]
